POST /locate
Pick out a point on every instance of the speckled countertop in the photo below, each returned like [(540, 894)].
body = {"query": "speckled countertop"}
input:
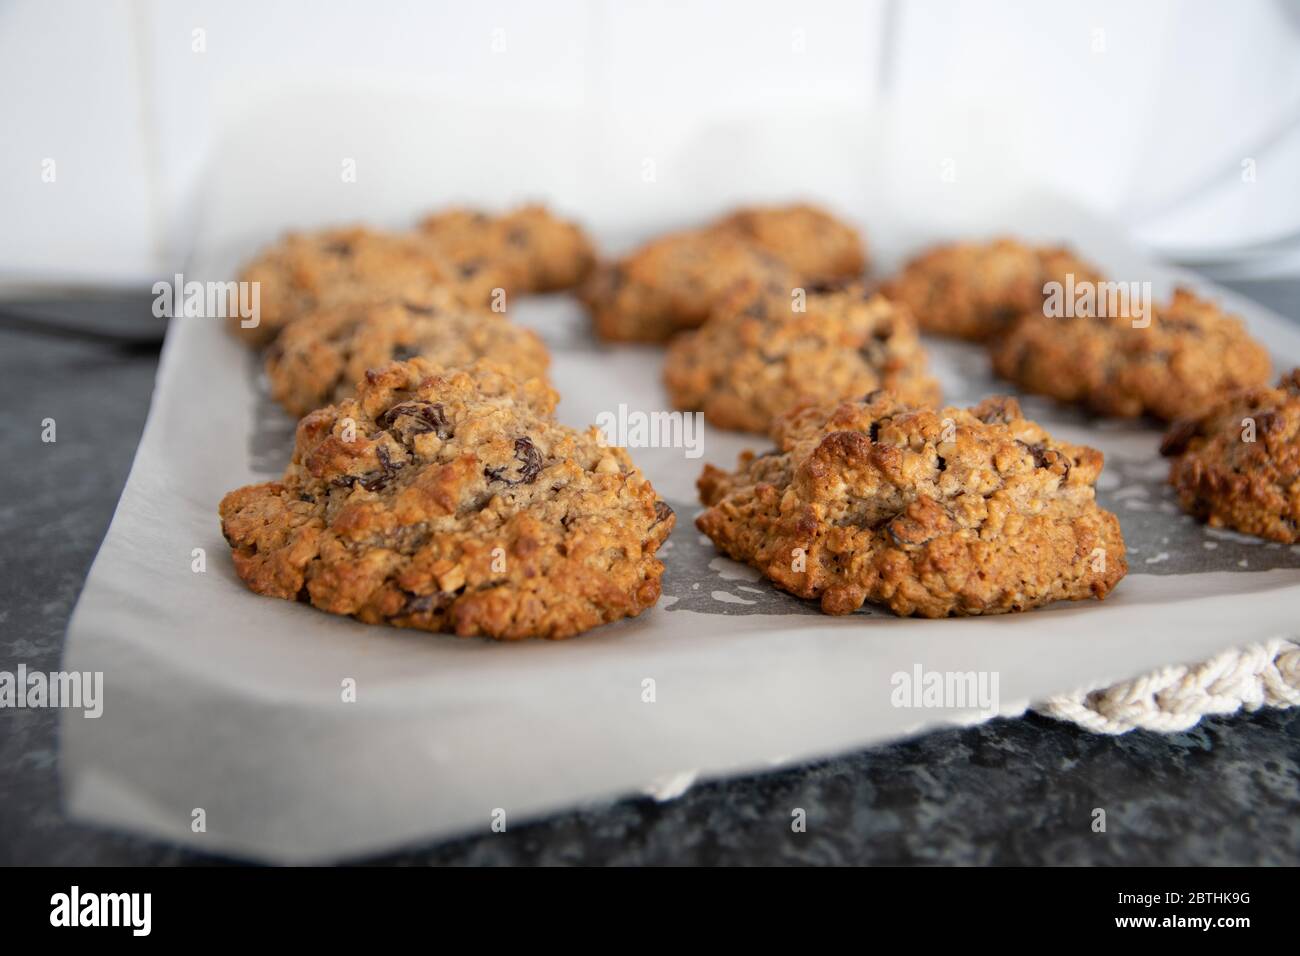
[(1007, 792)]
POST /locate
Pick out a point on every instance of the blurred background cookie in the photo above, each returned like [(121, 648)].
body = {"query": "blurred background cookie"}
[(760, 353), (306, 270), (319, 357), (1237, 465), (974, 290), (537, 251), (1169, 364), (673, 282)]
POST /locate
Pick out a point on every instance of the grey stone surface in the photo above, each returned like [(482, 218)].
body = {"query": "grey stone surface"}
[(1010, 791)]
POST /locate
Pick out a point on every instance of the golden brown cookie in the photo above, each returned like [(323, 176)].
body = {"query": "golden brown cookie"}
[(453, 501), (538, 251), (757, 356), (1237, 465), (812, 242), (929, 513), (1188, 354), (319, 357), (974, 290), (306, 270), (672, 284)]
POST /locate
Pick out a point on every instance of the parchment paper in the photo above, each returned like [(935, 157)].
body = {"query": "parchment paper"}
[(218, 699)]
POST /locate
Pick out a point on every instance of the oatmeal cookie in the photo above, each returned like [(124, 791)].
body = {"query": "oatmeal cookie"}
[(672, 283), (1190, 353), (974, 290), (319, 357), (306, 270), (538, 251), (451, 500), (1237, 465), (929, 513), (812, 242), (756, 356)]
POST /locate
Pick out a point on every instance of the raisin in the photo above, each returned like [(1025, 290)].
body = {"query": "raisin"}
[(388, 470), (943, 464), (998, 410), (874, 433), (373, 480), (530, 458), (470, 268), (663, 511), (404, 353), (418, 604), (425, 417), (1179, 436), (824, 286), (872, 353), (419, 309), (1045, 457), (530, 465), (340, 248), (424, 603), (1270, 423), (518, 237)]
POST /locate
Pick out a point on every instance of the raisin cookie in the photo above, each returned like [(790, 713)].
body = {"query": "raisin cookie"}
[(318, 358), (929, 513), (538, 251), (1238, 464), (974, 290), (306, 270), (451, 500), (672, 284), (812, 242), (759, 354), (1170, 364)]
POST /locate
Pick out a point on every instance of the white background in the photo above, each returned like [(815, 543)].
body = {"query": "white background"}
[(1143, 111)]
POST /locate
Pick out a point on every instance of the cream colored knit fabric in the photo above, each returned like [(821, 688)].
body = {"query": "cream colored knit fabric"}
[(1175, 698)]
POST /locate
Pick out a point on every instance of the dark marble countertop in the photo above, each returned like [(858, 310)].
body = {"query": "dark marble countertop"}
[(1007, 792)]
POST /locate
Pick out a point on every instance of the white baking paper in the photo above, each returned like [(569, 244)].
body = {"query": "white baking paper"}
[(218, 700)]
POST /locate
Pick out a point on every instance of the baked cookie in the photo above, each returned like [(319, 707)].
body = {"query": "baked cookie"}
[(306, 270), (756, 356), (451, 500), (929, 513), (319, 357), (1237, 465), (672, 284), (812, 242), (974, 290), (1189, 353), (538, 251)]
